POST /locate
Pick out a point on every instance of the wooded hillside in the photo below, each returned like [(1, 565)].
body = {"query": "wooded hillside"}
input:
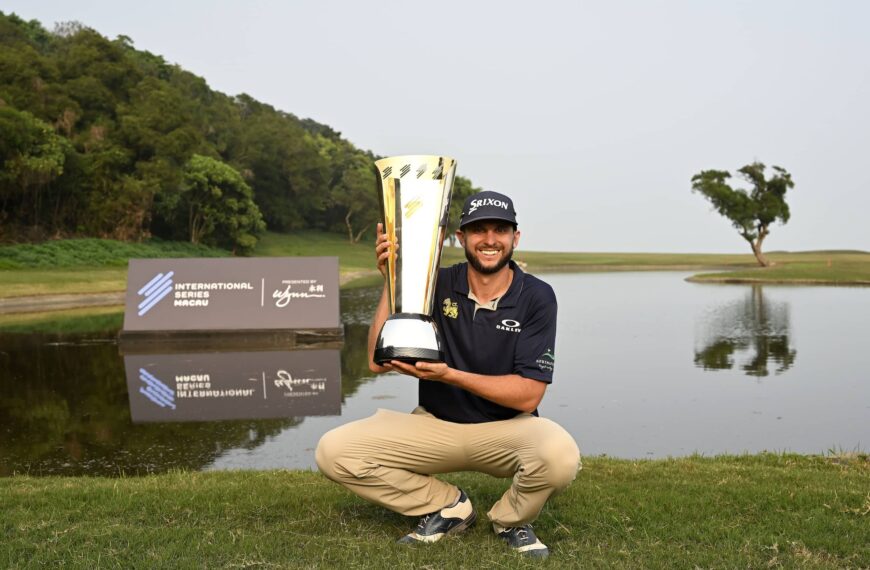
[(100, 139)]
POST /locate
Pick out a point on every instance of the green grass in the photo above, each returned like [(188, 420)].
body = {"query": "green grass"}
[(92, 252), (725, 512), (628, 261), (355, 260), (836, 269), (81, 265), (67, 280), (359, 258), (72, 321), (311, 243), (856, 261), (91, 265)]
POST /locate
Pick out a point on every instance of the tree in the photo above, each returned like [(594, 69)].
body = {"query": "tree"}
[(95, 137), (356, 194), (752, 211), (352, 186), (462, 189), (31, 156), (219, 206), (282, 163)]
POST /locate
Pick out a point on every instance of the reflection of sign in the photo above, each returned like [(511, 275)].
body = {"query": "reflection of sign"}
[(232, 294), (233, 385), (156, 391), (299, 386)]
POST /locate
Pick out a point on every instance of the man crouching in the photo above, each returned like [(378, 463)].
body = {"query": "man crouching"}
[(478, 409)]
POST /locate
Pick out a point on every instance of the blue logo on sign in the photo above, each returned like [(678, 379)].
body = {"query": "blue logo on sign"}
[(155, 290), (155, 390)]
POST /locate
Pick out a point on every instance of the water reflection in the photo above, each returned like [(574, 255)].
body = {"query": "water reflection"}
[(625, 385), (751, 334), (65, 404), (64, 410)]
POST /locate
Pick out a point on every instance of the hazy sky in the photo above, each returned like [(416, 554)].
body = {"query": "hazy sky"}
[(592, 116)]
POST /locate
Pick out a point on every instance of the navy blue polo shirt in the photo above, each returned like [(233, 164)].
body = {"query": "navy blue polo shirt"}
[(518, 337)]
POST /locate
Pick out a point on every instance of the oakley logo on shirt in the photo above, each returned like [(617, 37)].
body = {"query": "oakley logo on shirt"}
[(509, 325)]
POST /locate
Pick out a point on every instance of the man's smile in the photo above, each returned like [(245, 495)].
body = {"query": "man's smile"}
[(489, 252)]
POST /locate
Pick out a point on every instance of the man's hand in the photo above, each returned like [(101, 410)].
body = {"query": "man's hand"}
[(510, 390), (421, 370), (383, 249)]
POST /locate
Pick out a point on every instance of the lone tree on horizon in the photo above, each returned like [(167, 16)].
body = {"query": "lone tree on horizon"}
[(752, 211)]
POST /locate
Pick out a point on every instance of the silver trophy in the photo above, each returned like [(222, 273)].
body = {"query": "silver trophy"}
[(415, 198)]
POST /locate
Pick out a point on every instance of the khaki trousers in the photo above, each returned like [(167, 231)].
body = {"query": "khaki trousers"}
[(390, 457)]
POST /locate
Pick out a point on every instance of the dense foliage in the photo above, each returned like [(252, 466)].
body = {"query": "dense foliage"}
[(751, 212), (91, 252), (100, 139)]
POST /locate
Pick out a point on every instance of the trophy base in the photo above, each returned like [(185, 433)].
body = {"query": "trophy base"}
[(408, 337)]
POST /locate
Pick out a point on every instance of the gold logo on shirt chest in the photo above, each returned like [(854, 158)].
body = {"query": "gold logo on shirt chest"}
[(450, 308)]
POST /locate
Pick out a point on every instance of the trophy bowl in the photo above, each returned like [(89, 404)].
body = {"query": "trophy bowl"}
[(414, 195)]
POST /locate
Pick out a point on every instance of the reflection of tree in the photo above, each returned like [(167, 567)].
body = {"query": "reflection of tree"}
[(354, 359), (64, 409), (357, 308), (753, 324)]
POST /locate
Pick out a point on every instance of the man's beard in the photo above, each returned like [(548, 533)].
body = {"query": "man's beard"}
[(475, 263)]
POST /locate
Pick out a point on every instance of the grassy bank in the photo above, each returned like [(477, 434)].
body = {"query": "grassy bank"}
[(840, 268), (99, 266), (72, 321), (81, 265), (93, 252), (93, 266), (67, 280), (725, 512)]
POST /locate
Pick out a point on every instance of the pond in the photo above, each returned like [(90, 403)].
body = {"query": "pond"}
[(647, 365)]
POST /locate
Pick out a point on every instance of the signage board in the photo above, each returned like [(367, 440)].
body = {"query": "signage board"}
[(204, 294), (233, 385)]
